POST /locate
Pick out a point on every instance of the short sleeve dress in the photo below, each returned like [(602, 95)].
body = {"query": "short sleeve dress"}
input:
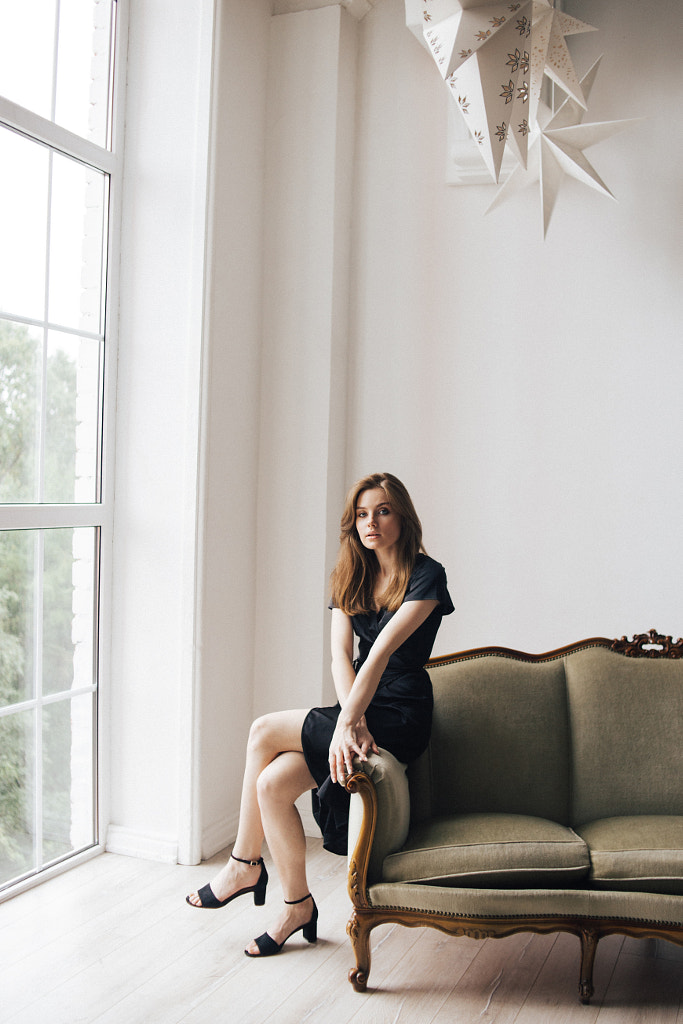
[(399, 716)]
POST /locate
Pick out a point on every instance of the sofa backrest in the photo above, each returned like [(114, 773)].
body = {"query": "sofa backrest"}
[(500, 739), (626, 723)]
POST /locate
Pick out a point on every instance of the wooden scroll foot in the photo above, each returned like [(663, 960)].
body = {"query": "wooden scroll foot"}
[(358, 979), (589, 944), (359, 933)]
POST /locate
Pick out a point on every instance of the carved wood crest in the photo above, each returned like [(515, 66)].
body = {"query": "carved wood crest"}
[(649, 645)]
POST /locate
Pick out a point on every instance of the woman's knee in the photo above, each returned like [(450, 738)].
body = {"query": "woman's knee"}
[(262, 733), (285, 778), (279, 731)]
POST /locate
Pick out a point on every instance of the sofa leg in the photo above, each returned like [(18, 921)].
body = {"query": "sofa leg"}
[(359, 933), (589, 943)]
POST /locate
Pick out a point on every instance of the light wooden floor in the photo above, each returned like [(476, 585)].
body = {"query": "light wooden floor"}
[(113, 941)]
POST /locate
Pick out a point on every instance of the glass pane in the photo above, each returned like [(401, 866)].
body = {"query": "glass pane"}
[(27, 32), (70, 377), (17, 795), (68, 799), (73, 389), (48, 611), (59, 479), (76, 245), (68, 609), (24, 168), (74, 92), (20, 389), (17, 615), (83, 63)]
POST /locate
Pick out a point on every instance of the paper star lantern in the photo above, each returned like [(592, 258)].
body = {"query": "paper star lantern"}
[(558, 149), (549, 53), (494, 64), (493, 56), (482, 50)]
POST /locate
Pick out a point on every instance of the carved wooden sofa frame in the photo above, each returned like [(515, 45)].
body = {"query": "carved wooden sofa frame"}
[(589, 929)]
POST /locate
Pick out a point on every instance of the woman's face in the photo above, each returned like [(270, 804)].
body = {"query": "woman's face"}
[(378, 526)]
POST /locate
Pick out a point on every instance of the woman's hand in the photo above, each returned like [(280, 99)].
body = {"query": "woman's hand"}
[(365, 739), (348, 741)]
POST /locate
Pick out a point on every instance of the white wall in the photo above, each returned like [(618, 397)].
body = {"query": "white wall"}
[(527, 391), (360, 314), (310, 142), (151, 696), (277, 335), (230, 445), (233, 324)]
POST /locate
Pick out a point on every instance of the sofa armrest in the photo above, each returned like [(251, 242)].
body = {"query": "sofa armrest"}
[(379, 815)]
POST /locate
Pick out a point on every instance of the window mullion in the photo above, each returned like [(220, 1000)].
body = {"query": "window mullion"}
[(26, 122), (52, 698), (63, 328), (38, 601), (42, 426), (55, 61)]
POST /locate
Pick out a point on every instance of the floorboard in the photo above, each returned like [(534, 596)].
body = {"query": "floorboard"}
[(644, 990), (113, 942), (494, 987)]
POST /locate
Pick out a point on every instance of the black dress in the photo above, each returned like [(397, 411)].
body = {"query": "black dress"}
[(399, 715)]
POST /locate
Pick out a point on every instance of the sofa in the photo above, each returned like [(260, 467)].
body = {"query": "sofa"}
[(550, 798)]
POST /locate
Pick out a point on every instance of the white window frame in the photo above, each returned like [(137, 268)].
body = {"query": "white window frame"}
[(100, 513)]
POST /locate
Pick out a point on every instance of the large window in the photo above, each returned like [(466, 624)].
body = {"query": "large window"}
[(57, 172)]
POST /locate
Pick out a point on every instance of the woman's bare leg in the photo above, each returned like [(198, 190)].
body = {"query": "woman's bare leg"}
[(269, 736), (279, 785)]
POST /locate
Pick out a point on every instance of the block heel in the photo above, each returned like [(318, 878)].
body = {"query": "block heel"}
[(209, 901), (267, 946)]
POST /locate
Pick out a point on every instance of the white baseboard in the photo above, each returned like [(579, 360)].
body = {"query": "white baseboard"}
[(129, 843), (221, 834), (215, 837), (218, 835)]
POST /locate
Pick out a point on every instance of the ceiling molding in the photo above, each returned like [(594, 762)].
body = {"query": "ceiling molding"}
[(357, 8)]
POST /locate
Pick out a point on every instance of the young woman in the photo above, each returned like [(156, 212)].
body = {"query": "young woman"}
[(391, 596)]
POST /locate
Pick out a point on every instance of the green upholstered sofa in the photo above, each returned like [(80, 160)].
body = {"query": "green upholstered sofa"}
[(550, 798)]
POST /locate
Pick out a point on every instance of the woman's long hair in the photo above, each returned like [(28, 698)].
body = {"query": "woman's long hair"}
[(353, 578)]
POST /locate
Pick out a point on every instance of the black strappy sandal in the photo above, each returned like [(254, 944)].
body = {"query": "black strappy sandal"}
[(209, 901), (269, 947)]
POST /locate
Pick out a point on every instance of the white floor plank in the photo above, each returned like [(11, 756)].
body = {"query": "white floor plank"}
[(643, 990), (421, 981), (554, 996), (493, 989), (255, 989), (77, 910), (113, 942)]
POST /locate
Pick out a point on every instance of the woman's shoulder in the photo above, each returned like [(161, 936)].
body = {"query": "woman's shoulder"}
[(425, 566), (428, 582)]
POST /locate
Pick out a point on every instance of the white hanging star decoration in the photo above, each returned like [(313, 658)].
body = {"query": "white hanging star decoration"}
[(482, 50), (493, 56), (494, 67), (557, 150), (549, 53)]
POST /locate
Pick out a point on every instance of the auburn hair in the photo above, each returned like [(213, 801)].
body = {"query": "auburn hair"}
[(354, 575)]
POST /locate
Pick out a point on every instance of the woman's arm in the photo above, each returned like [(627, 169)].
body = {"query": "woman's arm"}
[(344, 674), (341, 642), (345, 745)]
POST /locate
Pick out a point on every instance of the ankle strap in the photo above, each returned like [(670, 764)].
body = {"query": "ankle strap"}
[(306, 897), (254, 863)]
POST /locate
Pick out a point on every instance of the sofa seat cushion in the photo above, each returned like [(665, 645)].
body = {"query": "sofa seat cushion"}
[(642, 853), (489, 851)]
